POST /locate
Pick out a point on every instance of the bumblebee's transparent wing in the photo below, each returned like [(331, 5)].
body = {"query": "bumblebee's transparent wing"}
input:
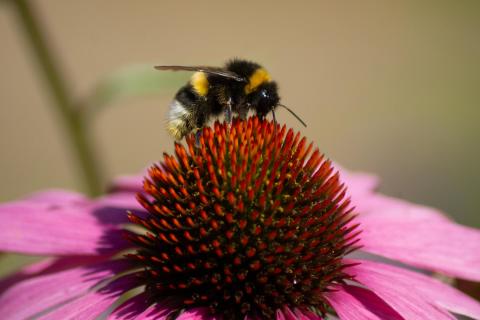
[(210, 70)]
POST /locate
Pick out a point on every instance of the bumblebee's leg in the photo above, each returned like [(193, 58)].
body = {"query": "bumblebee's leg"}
[(243, 112), (198, 133), (228, 111), (199, 120), (274, 123)]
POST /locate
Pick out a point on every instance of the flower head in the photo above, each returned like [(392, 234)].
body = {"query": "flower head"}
[(249, 221)]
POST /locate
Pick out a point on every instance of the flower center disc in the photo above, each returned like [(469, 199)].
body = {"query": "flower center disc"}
[(245, 220)]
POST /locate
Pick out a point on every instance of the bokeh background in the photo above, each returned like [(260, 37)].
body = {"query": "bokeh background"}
[(389, 87)]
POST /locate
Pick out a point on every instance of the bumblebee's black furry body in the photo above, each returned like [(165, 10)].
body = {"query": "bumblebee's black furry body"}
[(239, 87)]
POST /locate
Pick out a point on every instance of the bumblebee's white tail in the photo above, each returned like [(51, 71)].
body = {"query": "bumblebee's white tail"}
[(177, 120)]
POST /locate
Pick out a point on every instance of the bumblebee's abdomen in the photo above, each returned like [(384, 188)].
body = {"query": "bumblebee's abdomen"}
[(188, 111), (177, 123), (180, 122)]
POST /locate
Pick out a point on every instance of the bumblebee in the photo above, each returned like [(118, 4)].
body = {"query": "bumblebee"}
[(239, 87)]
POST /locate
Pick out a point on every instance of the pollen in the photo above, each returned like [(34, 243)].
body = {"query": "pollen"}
[(245, 219)]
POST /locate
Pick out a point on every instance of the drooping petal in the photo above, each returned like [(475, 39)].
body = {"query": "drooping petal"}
[(382, 204), (94, 303), (131, 308), (431, 290), (358, 183), (33, 296), (112, 209), (45, 229), (196, 314), (423, 239), (139, 308), (355, 303), (120, 200), (285, 315), (48, 266), (406, 299), (129, 183), (288, 314), (57, 197), (306, 315)]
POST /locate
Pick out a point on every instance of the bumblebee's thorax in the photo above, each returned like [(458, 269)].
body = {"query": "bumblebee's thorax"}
[(254, 74), (237, 88)]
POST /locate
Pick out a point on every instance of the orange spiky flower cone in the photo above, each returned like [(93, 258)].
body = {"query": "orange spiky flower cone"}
[(246, 220)]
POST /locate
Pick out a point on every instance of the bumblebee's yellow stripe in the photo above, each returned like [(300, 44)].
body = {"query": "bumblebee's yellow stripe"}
[(199, 83), (259, 77)]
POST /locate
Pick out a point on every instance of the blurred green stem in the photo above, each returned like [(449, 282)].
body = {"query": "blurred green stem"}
[(75, 121)]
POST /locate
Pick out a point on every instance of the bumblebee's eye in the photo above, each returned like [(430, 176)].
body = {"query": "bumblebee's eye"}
[(264, 93)]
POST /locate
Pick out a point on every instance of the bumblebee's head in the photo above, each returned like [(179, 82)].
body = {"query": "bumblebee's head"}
[(264, 99)]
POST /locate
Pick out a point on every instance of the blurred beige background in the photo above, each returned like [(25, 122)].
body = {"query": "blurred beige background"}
[(390, 87)]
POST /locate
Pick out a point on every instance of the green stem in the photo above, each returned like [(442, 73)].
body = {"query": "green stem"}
[(71, 114)]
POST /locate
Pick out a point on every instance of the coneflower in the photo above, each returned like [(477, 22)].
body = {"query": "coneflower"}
[(249, 221)]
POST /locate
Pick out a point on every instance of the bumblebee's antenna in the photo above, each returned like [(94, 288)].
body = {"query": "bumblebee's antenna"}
[(293, 113)]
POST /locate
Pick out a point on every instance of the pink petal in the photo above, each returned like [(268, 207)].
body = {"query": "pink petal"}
[(288, 314), (306, 315), (430, 289), (42, 228), (285, 315), (58, 197), (381, 204), (406, 299), (94, 303), (47, 266), (423, 239), (139, 308), (131, 308), (132, 183), (112, 209), (355, 303), (196, 314), (95, 223), (31, 297), (119, 200), (358, 183)]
